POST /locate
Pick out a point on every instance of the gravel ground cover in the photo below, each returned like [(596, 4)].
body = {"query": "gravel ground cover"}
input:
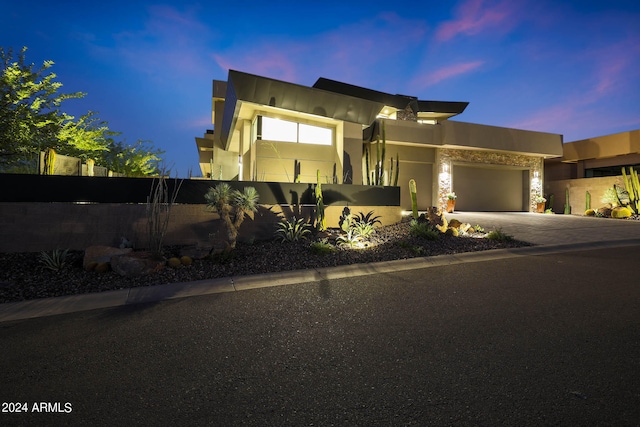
[(23, 276)]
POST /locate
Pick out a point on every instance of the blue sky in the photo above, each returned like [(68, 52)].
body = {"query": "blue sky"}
[(568, 67)]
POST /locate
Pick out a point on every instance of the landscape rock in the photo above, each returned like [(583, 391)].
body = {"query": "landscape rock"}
[(455, 223), (604, 211), (137, 264), (100, 254), (200, 251), (621, 212)]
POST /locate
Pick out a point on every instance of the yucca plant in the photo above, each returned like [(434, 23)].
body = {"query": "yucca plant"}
[(56, 260), (292, 230), (232, 205)]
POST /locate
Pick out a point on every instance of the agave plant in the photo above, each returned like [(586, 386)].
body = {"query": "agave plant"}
[(363, 229), (367, 218), (350, 238), (56, 260), (292, 230)]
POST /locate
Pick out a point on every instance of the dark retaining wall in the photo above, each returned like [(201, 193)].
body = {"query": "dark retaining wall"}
[(41, 188), (47, 212)]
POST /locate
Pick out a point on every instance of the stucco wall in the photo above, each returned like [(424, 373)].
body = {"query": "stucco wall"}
[(577, 192)]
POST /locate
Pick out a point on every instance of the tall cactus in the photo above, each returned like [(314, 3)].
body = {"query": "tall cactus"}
[(395, 179), (366, 165), (321, 221), (414, 198), (567, 206), (632, 185), (49, 161), (587, 202), (381, 151)]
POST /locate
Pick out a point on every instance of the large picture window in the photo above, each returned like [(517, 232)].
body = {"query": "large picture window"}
[(271, 129)]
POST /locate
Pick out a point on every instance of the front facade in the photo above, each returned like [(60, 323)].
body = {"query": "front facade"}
[(270, 130)]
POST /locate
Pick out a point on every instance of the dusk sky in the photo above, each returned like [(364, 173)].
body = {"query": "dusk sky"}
[(567, 67)]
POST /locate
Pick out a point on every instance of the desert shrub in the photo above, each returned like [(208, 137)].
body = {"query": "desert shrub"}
[(416, 250), (423, 230), (322, 247), (499, 235)]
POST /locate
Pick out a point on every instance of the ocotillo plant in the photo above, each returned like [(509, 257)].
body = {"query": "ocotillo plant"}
[(414, 198)]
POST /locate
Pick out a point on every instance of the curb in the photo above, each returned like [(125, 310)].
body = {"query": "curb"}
[(109, 299)]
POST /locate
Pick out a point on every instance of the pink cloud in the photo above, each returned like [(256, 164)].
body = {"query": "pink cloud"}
[(270, 63), (474, 17), (429, 79), (352, 50)]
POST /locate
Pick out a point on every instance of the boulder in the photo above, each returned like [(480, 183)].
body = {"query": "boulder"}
[(100, 254), (137, 264), (604, 211), (621, 212), (200, 251), (455, 223)]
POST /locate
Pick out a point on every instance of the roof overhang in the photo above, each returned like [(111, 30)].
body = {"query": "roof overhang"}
[(249, 88)]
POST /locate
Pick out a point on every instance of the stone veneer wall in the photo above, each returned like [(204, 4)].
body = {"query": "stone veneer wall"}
[(446, 157), (32, 227)]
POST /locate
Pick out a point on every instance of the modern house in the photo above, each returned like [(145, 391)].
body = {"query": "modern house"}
[(590, 165), (271, 130)]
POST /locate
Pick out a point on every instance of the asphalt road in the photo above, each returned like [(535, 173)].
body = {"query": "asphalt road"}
[(536, 340)]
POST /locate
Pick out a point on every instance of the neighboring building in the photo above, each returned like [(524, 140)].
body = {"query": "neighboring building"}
[(591, 166), (270, 130), (596, 157)]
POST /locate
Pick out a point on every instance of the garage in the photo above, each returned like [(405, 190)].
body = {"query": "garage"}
[(490, 188)]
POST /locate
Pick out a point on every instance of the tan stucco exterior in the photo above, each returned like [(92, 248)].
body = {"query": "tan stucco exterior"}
[(429, 152)]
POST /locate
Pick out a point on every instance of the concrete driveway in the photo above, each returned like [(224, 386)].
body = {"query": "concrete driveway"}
[(553, 229)]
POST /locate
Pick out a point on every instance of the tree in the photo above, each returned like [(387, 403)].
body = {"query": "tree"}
[(139, 159), (30, 116), (31, 121), (85, 138)]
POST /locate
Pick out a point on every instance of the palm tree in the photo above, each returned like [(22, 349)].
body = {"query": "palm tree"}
[(232, 206)]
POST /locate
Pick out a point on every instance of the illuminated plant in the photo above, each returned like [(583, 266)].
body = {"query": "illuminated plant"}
[(232, 206), (292, 230), (414, 198)]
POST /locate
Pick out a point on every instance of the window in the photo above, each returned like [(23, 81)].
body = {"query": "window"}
[(271, 129)]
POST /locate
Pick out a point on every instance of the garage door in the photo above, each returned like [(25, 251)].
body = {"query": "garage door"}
[(489, 189)]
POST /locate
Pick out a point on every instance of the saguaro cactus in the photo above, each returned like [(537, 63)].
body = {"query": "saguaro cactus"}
[(587, 203), (414, 198), (322, 221), (632, 185), (567, 206), (49, 161)]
